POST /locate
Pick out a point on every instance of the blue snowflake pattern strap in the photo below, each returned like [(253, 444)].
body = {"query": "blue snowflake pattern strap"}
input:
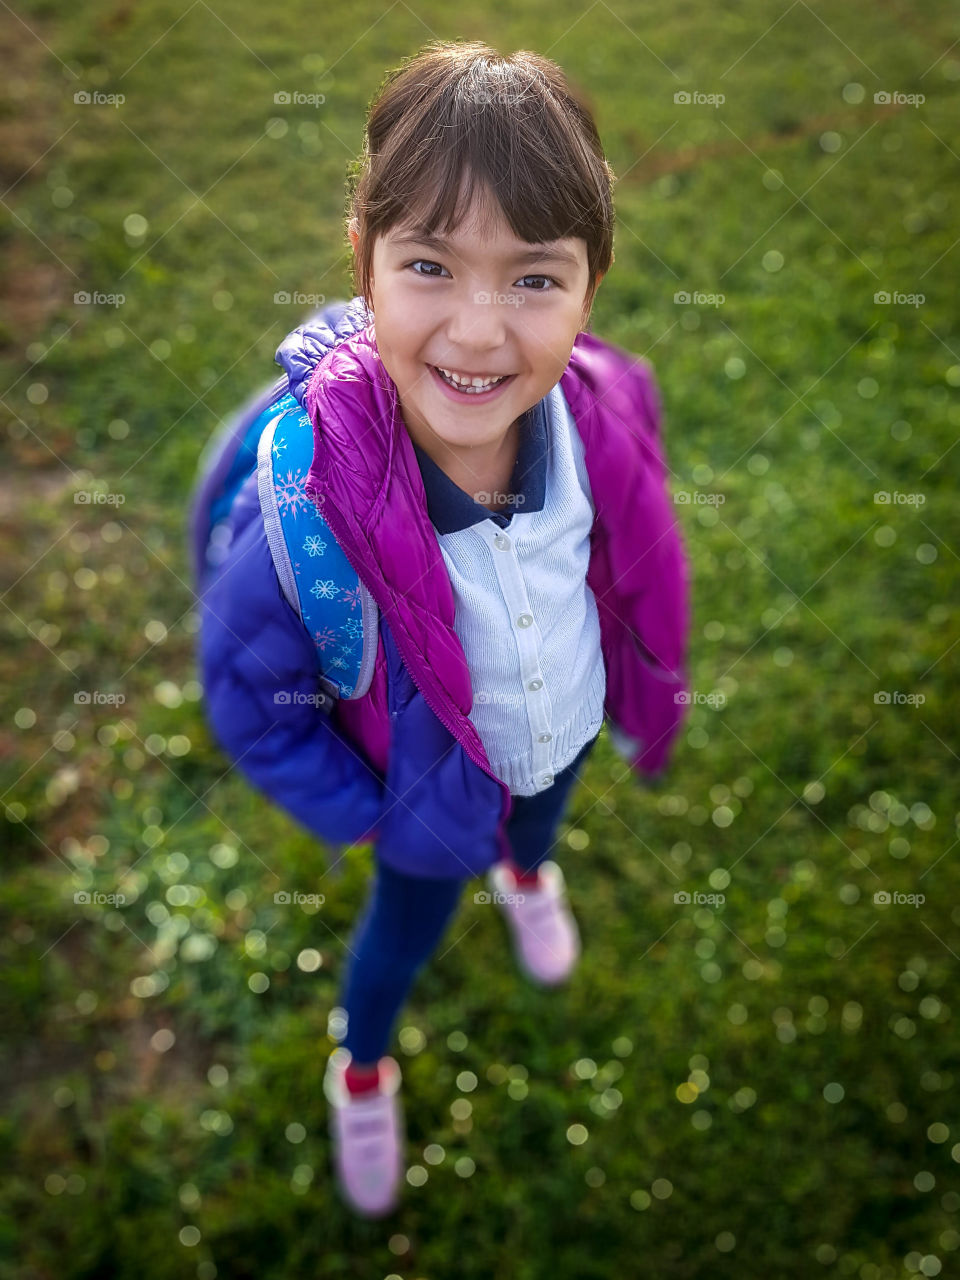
[(316, 577)]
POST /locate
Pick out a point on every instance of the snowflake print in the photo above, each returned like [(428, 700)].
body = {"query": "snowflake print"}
[(353, 629), (314, 545), (290, 495), (352, 597), (324, 590), (337, 662), (278, 446)]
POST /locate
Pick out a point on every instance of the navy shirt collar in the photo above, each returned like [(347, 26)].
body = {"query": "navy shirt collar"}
[(450, 508)]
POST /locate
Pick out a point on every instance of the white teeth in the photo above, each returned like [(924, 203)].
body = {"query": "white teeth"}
[(469, 385)]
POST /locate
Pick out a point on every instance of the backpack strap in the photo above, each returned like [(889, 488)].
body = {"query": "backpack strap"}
[(317, 579)]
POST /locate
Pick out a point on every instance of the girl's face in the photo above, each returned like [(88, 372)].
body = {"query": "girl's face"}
[(480, 304)]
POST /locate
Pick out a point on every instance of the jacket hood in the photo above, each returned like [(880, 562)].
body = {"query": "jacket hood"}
[(303, 349)]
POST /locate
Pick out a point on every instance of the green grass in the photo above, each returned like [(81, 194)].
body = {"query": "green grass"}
[(765, 1087)]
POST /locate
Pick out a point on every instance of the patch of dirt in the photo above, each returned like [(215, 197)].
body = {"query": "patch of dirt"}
[(25, 488), (32, 293), (31, 121)]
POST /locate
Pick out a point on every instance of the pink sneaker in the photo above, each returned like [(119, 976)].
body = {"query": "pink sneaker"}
[(367, 1133), (545, 934)]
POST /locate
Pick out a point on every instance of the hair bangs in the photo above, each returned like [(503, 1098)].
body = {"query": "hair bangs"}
[(462, 127)]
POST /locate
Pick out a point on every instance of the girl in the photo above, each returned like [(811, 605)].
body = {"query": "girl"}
[(494, 475)]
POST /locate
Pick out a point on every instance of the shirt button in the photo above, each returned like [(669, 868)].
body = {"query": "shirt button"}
[(535, 684), (501, 542), (524, 620), (545, 737), (546, 780)]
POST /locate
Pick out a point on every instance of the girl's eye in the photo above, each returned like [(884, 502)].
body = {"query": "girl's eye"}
[(549, 278), (427, 263)]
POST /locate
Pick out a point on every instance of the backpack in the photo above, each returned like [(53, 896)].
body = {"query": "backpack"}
[(268, 443)]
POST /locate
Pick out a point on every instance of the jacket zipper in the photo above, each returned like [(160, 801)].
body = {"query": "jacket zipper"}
[(437, 711)]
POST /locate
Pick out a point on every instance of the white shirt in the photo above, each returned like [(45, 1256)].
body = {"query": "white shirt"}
[(525, 616)]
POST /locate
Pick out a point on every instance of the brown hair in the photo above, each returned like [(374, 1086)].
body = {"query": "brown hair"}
[(460, 112)]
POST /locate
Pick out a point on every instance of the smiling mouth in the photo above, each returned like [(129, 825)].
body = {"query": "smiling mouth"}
[(470, 386)]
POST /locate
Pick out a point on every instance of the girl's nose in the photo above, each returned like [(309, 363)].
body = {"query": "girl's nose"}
[(477, 323)]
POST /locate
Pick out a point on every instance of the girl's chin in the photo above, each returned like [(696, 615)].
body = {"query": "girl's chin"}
[(445, 422), (459, 436)]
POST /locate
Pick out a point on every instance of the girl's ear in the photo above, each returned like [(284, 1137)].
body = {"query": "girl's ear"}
[(353, 230)]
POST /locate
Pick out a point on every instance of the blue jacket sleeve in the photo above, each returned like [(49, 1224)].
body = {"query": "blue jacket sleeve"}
[(259, 673)]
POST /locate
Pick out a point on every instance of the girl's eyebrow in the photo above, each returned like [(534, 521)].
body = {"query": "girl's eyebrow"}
[(541, 253)]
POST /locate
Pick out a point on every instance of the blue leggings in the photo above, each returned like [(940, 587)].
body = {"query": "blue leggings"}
[(405, 917)]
